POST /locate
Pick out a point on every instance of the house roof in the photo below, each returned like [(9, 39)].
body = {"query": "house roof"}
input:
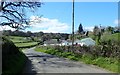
[(52, 41), (88, 41)]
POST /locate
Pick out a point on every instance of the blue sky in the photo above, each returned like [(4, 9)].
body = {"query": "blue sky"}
[(57, 16), (87, 13)]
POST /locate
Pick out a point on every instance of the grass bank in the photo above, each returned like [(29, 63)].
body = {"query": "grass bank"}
[(110, 64), (15, 64), (13, 60)]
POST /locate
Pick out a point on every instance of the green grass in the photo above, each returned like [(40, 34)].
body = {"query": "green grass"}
[(15, 37), (21, 42), (107, 63), (57, 53), (107, 37), (25, 44), (18, 39)]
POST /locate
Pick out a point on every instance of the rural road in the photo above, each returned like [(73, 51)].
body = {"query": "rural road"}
[(52, 64)]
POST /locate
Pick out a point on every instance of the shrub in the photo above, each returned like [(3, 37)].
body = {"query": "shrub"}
[(73, 58), (87, 58)]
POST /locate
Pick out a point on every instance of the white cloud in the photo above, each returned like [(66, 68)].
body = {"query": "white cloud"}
[(89, 28), (43, 24), (6, 28), (48, 25), (117, 22)]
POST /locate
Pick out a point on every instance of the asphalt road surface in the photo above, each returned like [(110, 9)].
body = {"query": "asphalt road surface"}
[(45, 63)]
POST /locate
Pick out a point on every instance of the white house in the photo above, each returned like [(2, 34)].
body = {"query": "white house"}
[(66, 42), (51, 42), (77, 42)]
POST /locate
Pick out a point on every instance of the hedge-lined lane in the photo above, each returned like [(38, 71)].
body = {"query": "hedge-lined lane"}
[(106, 63)]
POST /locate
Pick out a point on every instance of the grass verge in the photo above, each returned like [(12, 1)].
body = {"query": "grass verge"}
[(110, 64)]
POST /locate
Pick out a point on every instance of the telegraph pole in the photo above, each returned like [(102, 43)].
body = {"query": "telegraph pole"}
[(73, 24)]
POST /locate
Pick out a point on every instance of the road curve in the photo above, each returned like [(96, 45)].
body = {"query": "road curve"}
[(45, 63)]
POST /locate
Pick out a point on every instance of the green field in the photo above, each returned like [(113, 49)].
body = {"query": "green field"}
[(114, 37), (17, 39), (25, 44), (22, 41)]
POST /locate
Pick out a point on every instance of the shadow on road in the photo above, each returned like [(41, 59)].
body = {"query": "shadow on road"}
[(47, 56), (28, 68)]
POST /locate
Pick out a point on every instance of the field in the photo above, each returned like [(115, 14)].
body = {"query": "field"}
[(114, 37), (17, 39), (26, 44), (22, 42)]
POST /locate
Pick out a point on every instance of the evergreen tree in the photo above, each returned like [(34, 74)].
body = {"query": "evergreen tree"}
[(80, 29)]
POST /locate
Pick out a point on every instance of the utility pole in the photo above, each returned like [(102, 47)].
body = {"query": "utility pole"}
[(73, 24)]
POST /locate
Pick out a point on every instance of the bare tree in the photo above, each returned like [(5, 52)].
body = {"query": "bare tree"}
[(13, 13)]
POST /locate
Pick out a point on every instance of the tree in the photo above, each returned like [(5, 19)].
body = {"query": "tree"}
[(97, 34), (29, 33), (110, 29), (13, 13), (7, 32), (80, 28), (95, 30), (44, 38), (102, 31), (39, 34), (70, 37)]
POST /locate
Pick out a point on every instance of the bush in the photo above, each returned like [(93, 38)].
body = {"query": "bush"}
[(73, 58), (87, 58), (66, 54)]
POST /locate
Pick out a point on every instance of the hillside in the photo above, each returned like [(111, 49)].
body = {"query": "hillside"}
[(113, 37)]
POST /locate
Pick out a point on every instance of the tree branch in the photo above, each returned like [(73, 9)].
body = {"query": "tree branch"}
[(14, 12)]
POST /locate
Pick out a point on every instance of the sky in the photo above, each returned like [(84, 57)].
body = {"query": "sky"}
[(57, 16)]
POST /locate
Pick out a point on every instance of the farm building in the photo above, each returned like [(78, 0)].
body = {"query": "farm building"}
[(51, 42), (88, 42)]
